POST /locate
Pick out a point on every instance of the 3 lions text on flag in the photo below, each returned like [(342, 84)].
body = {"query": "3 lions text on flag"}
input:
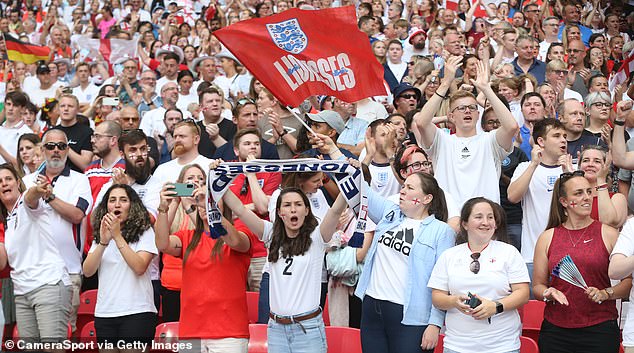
[(300, 53)]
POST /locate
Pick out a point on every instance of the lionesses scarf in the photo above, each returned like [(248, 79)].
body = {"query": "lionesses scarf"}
[(348, 178)]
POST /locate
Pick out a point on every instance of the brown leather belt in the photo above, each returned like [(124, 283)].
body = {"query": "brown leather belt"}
[(287, 320)]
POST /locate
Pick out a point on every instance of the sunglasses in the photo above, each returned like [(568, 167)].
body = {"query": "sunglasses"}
[(474, 266), (408, 96), (244, 101), (62, 146)]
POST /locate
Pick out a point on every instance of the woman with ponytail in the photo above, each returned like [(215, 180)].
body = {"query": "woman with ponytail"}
[(214, 277), (397, 312)]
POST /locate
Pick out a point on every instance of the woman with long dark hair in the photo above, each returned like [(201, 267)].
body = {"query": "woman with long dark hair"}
[(214, 272), (397, 313), (577, 320), (29, 154), (296, 244), (122, 251), (483, 266)]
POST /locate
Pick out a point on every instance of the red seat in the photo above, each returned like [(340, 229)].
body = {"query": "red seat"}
[(528, 345), (252, 306), (258, 341), (166, 332), (343, 339), (325, 314), (532, 319), (439, 347), (88, 334), (86, 310)]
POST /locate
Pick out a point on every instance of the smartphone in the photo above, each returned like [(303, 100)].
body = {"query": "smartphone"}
[(67, 90), (111, 101), (83, 22), (473, 301), (184, 189), (118, 69)]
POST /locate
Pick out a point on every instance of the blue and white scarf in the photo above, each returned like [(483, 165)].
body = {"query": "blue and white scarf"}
[(347, 177)]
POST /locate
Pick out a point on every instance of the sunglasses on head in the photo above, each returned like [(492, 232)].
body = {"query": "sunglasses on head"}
[(62, 146)]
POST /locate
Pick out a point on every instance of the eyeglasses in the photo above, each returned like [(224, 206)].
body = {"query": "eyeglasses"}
[(464, 108), (129, 118), (575, 50), (418, 165), (551, 24), (560, 72), (129, 67), (408, 96), (411, 63), (474, 266), (62, 146), (601, 105)]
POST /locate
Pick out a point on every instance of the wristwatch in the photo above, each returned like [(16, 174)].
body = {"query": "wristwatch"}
[(499, 307), (50, 198), (619, 122), (610, 292)]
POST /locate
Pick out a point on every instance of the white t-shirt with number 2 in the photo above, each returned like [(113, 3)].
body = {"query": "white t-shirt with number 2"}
[(295, 285)]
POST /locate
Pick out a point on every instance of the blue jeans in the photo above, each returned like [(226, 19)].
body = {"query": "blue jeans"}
[(308, 336), (263, 300), (514, 232), (383, 332)]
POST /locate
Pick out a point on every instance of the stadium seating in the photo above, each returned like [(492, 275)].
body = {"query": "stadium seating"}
[(252, 306), (532, 319), (86, 311), (343, 339), (258, 343)]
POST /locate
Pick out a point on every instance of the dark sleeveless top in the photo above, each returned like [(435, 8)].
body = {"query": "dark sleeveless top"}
[(587, 250)]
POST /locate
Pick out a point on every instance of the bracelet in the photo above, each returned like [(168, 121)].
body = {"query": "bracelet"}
[(602, 187), (162, 210), (440, 95), (190, 210), (102, 244), (619, 122), (283, 133)]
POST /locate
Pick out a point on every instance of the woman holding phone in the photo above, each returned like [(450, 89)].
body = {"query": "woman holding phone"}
[(214, 273), (296, 243)]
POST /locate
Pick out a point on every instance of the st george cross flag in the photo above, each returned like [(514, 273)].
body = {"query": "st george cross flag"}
[(621, 76), (300, 53), (347, 177), (479, 12), (110, 49)]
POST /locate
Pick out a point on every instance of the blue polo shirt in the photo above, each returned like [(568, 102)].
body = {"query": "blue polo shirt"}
[(537, 69), (353, 132)]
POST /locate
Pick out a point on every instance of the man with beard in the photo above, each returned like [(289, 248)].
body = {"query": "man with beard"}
[(152, 122), (68, 200), (105, 144), (415, 45), (130, 120), (186, 140)]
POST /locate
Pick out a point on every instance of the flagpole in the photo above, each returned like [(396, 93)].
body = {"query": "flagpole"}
[(300, 120)]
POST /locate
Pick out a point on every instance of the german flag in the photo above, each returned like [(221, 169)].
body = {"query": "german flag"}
[(27, 53)]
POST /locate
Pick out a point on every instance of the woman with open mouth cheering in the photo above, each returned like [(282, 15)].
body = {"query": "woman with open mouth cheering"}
[(122, 251), (296, 245)]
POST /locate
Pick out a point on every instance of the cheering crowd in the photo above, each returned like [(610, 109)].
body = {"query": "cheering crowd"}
[(498, 165)]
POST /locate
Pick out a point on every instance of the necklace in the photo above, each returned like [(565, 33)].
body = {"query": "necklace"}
[(574, 243)]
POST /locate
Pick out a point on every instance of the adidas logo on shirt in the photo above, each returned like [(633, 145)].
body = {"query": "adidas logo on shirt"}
[(401, 241)]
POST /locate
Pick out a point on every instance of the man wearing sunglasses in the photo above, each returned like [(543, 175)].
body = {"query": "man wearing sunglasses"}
[(406, 98), (466, 162), (69, 200)]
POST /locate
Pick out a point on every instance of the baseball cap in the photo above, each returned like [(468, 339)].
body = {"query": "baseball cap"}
[(403, 87), (415, 33), (332, 118), (42, 69)]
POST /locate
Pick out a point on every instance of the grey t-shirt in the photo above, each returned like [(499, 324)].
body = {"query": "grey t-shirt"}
[(626, 176), (290, 123)]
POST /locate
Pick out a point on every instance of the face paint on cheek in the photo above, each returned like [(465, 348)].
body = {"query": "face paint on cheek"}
[(573, 204), (416, 201)]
